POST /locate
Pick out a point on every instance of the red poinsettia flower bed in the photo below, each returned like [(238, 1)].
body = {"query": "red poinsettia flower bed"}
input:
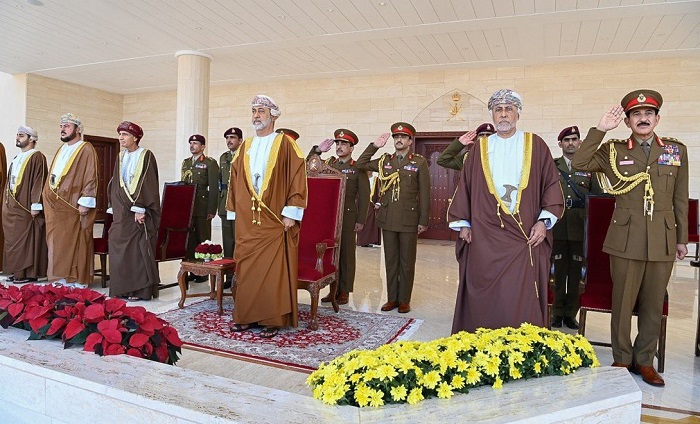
[(106, 326)]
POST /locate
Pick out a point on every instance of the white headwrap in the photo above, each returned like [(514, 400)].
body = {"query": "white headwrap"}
[(506, 96), (265, 101), (68, 118), (31, 132)]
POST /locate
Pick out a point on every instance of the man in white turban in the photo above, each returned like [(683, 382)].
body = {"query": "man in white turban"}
[(69, 198), (505, 205), (266, 197), (22, 215)]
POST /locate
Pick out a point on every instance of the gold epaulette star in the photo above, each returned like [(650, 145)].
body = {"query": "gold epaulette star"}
[(672, 140), (616, 140)]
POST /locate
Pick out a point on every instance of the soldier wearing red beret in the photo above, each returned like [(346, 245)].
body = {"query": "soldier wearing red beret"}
[(453, 156), (649, 228), (403, 214), (567, 251), (356, 206)]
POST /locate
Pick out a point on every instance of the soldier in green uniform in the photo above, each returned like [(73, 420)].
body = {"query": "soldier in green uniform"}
[(203, 172), (403, 214), (356, 205), (648, 176), (453, 156), (233, 137), (567, 252)]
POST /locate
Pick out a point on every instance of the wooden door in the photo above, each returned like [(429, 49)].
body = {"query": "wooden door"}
[(443, 182), (107, 150)]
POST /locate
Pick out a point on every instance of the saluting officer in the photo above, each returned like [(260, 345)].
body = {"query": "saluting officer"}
[(649, 227), (453, 156), (356, 205), (567, 252), (203, 172), (403, 214)]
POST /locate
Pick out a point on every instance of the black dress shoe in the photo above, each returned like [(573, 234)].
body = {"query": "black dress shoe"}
[(571, 323), (200, 279), (556, 321), (227, 285)]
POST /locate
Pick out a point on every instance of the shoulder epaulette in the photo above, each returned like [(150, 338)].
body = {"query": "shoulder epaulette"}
[(616, 140), (672, 140), (418, 156)]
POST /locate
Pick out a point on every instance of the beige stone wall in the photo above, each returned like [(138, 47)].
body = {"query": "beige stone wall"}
[(48, 99), (554, 96)]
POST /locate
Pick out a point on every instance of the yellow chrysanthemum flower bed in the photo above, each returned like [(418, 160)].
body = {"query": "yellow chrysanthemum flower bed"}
[(411, 371)]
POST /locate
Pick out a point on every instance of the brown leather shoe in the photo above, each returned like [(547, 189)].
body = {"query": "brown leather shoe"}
[(649, 375), (327, 299), (621, 365), (404, 307), (343, 298), (388, 306)]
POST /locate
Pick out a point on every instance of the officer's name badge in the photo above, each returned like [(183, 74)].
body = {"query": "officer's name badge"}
[(387, 166), (348, 171), (670, 156), (627, 162), (201, 165), (412, 168), (584, 174)]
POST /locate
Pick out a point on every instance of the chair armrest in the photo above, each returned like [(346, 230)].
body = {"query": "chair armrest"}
[(321, 251)]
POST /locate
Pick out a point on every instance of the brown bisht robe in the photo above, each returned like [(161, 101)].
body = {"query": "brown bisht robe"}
[(3, 181), (499, 286), (266, 255), (132, 262), (68, 234), (26, 254)]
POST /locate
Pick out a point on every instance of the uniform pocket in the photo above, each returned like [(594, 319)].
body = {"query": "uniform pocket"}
[(616, 239), (410, 215), (670, 233), (667, 177)]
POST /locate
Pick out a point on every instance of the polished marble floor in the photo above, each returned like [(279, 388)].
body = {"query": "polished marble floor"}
[(433, 302)]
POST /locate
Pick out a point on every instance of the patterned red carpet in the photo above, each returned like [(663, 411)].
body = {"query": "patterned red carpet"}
[(201, 328)]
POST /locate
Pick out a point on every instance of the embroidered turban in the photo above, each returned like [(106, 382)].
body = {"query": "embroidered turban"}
[(69, 118), (31, 132), (132, 129), (506, 96), (265, 101)]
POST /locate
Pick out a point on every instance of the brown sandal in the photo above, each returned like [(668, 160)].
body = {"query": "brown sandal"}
[(237, 328), (269, 332)]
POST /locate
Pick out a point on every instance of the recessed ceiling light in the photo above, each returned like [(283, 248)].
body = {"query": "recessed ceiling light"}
[(330, 10), (104, 43), (199, 28), (19, 6), (281, 17), (381, 3), (137, 38)]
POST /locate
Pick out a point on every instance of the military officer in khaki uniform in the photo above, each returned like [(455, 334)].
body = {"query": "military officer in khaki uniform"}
[(567, 252), (649, 228), (203, 172), (453, 156), (403, 214), (356, 205), (233, 137)]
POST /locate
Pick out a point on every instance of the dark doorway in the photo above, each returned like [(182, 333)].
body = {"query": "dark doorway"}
[(107, 150), (443, 182)]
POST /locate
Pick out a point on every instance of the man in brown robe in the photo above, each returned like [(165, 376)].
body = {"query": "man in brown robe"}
[(69, 205), (22, 217), (135, 203), (507, 200), (267, 196), (3, 179)]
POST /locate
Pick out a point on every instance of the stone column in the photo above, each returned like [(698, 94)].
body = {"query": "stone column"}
[(192, 101)]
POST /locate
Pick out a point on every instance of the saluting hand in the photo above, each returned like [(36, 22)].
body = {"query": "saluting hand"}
[(381, 140), (326, 145), (467, 138), (611, 119)]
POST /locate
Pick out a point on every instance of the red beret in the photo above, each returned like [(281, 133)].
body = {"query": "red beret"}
[(403, 128), (131, 128), (642, 98), (291, 133), (343, 134), (485, 128), (197, 137), (233, 130), (569, 131)]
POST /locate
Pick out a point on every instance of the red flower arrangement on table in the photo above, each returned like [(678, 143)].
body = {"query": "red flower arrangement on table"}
[(103, 325), (207, 250)]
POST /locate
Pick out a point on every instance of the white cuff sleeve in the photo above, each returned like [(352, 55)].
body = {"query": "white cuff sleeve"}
[(552, 218), (137, 209), (457, 225), (230, 216), (37, 207), (110, 211), (88, 202), (293, 212)]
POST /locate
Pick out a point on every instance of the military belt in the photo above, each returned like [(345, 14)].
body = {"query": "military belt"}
[(571, 203)]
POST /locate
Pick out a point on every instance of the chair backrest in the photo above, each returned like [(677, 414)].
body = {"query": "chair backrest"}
[(693, 221), (323, 216), (598, 292), (176, 217)]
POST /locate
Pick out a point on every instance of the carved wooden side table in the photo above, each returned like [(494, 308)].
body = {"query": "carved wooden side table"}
[(216, 270)]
